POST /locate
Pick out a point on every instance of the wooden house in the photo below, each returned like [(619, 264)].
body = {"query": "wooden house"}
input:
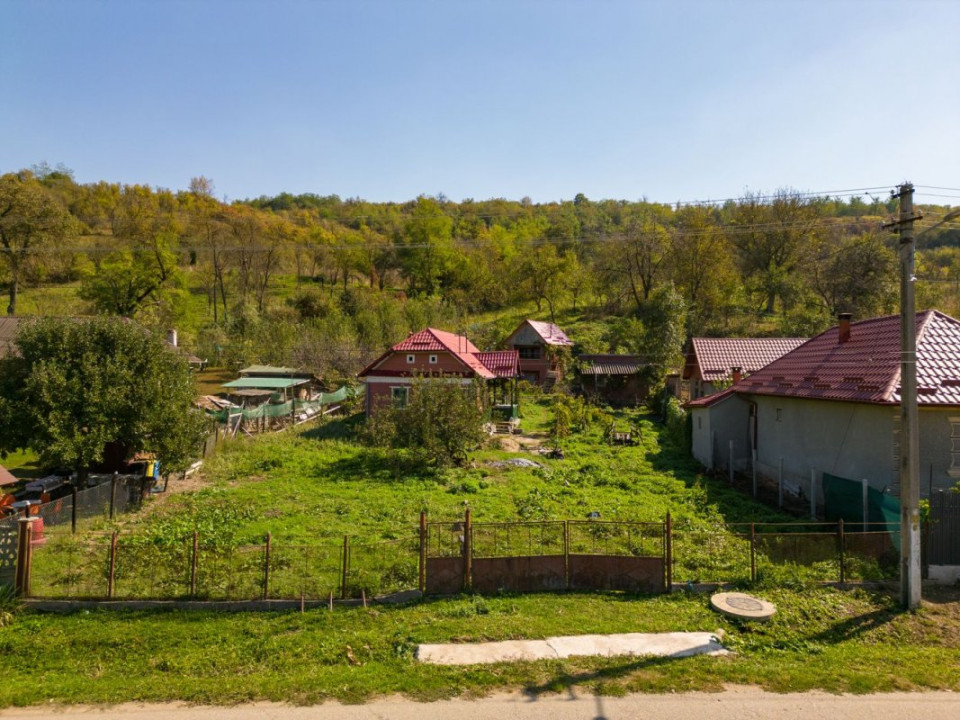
[(536, 343)]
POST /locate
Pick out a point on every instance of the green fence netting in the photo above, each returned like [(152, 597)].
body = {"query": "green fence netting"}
[(291, 407), (843, 500)]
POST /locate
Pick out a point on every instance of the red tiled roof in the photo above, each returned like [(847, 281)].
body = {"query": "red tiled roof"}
[(866, 368), (6, 477), (502, 363), (550, 333), (716, 356), (430, 340)]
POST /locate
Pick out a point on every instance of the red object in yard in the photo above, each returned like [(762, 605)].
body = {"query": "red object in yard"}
[(36, 536)]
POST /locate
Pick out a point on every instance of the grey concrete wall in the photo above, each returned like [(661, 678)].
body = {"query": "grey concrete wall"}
[(715, 427), (853, 440)]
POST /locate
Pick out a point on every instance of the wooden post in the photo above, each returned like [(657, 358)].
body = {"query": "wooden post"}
[(193, 566), (669, 552), (467, 550), (21, 586), (343, 567), (423, 552), (842, 542), (266, 568), (113, 493), (331, 601), (753, 553), (113, 565), (73, 510)]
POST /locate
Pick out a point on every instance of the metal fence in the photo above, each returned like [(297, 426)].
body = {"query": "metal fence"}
[(126, 566), (448, 557), (785, 552)]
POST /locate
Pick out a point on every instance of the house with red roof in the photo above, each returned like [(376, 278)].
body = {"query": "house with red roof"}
[(832, 405), (537, 344), (437, 353), (710, 362)]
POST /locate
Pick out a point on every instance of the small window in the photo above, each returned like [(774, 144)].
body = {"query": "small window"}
[(779, 414), (399, 396), (529, 353), (433, 359), (411, 359)]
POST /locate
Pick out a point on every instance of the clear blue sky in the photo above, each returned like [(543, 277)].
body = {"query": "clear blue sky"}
[(388, 100)]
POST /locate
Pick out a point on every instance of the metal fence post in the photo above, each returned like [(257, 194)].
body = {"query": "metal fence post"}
[(266, 568), (73, 510), (21, 583), (841, 542), (813, 493), (193, 566), (343, 568), (566, 554), (669, 552), (864, 483), (113, 565), (113, 493), (780, 485), (753, 552), (422, 583), (731, 462), (467, 550)]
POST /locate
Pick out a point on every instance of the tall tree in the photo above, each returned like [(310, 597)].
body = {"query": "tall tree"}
[(30, 220), (76, 386)]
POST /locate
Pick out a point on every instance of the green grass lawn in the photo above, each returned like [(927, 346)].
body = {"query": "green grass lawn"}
[(23, 464), (836, 641), (316, 483)]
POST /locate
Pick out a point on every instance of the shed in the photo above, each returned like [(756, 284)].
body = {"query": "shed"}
[(614, 379)]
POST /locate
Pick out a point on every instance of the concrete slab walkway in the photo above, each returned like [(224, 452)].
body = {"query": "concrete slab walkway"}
[(675, 644)]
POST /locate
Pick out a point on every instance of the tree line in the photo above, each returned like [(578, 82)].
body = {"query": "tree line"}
[(327, 282)]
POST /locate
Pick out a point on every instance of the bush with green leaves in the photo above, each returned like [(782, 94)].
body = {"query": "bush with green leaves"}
[(440, 424)]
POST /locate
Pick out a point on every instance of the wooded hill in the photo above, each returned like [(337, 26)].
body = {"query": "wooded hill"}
[(327, 283)]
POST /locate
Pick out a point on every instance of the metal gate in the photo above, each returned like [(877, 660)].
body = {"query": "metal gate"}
[(943, 542), (543, 556)]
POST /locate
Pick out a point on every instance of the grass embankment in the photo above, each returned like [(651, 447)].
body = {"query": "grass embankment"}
[(827, 639)]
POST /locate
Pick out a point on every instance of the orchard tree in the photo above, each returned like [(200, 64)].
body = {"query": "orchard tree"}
[(76, 386), (30, 220)]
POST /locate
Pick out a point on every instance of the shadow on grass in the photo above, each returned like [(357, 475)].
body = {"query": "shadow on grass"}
[(567, 681), (340, 427), (857, 626)]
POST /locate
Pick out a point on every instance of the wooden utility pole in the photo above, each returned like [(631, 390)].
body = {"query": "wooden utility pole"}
[(909, 418)]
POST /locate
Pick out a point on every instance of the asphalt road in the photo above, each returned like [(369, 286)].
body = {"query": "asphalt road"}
[(734, 704)]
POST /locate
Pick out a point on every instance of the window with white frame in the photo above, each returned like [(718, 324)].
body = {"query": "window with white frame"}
[(399, 396), (411, 359), (433, 359), (954, 470)]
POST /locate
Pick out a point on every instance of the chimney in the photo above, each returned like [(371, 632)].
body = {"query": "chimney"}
[(843, 329), (172, 337), (737, 373)]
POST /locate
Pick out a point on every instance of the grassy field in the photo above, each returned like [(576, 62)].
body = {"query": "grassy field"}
[(316, 483)]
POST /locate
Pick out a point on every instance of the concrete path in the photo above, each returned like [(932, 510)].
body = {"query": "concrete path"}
[(734, 704), (676, 644)]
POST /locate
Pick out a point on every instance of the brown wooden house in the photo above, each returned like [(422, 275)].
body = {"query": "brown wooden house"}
[(536, 343)]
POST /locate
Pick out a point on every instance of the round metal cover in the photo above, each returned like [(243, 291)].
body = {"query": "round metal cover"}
[(742, 606)]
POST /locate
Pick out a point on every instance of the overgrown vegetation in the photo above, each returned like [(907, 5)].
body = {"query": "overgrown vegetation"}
[(327, 284)]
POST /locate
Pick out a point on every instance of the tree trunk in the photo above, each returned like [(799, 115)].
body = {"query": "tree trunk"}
[(14, 291)]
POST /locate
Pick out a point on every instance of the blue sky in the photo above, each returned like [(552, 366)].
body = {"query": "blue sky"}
[(387, 100)]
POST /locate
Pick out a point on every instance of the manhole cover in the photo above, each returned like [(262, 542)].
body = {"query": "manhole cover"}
[(739, 605)]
